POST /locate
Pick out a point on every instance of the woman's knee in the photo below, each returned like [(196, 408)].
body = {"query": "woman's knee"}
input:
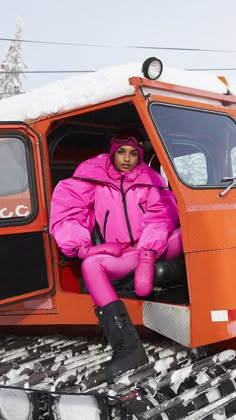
[(175, 244), (90, 265), (97, 280)]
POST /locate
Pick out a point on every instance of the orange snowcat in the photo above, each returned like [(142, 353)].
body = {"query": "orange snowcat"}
[(52, 354)]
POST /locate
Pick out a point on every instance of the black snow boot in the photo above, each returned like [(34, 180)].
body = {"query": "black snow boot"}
[(128, 352)]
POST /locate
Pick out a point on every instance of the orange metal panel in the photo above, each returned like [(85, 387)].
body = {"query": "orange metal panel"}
[(212, 282), (169, 87), (67, 309)]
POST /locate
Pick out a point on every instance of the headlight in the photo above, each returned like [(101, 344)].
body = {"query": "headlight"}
[(152, 68)]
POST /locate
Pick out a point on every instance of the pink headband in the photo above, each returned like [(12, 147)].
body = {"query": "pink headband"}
[(127, 141)]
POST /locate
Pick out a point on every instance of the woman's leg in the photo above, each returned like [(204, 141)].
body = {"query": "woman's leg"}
[(99, 270), (175, 245), (127, 349)]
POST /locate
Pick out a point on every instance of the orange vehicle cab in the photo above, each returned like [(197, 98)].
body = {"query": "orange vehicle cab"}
[(190, 132)]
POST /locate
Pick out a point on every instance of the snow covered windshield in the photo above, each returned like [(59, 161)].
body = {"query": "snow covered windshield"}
[(200, 144)]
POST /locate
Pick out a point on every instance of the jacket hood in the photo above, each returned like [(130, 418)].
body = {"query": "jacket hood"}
[(100, 169)]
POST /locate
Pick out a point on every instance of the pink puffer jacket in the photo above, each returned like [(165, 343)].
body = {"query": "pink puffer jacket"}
[(134, 208)]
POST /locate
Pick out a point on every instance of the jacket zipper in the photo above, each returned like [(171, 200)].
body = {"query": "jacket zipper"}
[(126, 212), (105, 224)]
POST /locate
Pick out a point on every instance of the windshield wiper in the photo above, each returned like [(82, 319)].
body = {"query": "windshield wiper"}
[(231, 179)]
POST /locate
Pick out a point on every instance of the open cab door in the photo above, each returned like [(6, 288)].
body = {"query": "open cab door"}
[(24, 240)]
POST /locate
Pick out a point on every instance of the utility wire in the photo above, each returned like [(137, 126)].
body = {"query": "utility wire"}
[(224, 69), (148, 47), (46, 71), (92, 71), (11, 93)]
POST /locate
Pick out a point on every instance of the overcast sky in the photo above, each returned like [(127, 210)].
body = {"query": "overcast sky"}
[(200, 24)]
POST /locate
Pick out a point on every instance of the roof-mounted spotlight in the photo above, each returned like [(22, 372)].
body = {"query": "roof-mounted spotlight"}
[(152, 68)]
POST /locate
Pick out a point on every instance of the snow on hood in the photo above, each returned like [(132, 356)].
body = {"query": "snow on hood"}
[(88, 89)]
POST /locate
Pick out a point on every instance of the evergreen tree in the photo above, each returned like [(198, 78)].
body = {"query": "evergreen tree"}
[(12, 65)]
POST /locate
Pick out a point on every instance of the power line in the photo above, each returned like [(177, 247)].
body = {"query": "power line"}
[(224, 69), (11, 93), (148, 47), (46, 71), (92, 71)]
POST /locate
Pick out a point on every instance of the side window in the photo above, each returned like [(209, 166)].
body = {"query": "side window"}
[(15, 199), (192, 168), (201, 144), (13, 167), (233, 160), (162, 172)]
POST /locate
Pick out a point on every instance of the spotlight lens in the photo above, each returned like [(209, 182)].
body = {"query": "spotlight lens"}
[(152, 68)]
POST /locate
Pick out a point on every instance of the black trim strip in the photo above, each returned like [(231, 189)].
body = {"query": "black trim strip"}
[(105, 224), (141, 207), (126, 212)]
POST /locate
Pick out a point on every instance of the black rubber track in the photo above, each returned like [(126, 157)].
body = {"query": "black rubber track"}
[(61, 378)]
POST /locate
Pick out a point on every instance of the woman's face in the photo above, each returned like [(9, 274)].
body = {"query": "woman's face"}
[(125, 158)]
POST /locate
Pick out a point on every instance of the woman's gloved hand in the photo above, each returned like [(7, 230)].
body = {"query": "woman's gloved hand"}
[(109, 248), (144, 272)]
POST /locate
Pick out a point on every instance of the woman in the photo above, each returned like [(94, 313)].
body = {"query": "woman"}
[(138, 219)]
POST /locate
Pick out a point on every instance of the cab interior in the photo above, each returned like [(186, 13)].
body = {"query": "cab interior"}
[(74, 139)]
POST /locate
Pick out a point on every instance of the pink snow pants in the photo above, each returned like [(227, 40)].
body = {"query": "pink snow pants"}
[(98, 270)]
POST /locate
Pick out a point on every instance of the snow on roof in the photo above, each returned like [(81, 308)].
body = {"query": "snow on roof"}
[(92, 88)]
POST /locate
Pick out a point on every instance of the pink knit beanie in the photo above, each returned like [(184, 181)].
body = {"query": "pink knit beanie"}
[(123, 139)]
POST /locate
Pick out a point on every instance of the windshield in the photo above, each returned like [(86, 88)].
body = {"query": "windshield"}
[(201, 144)]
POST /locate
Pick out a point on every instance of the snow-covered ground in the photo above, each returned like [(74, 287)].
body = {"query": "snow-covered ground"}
[(87, 89)]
